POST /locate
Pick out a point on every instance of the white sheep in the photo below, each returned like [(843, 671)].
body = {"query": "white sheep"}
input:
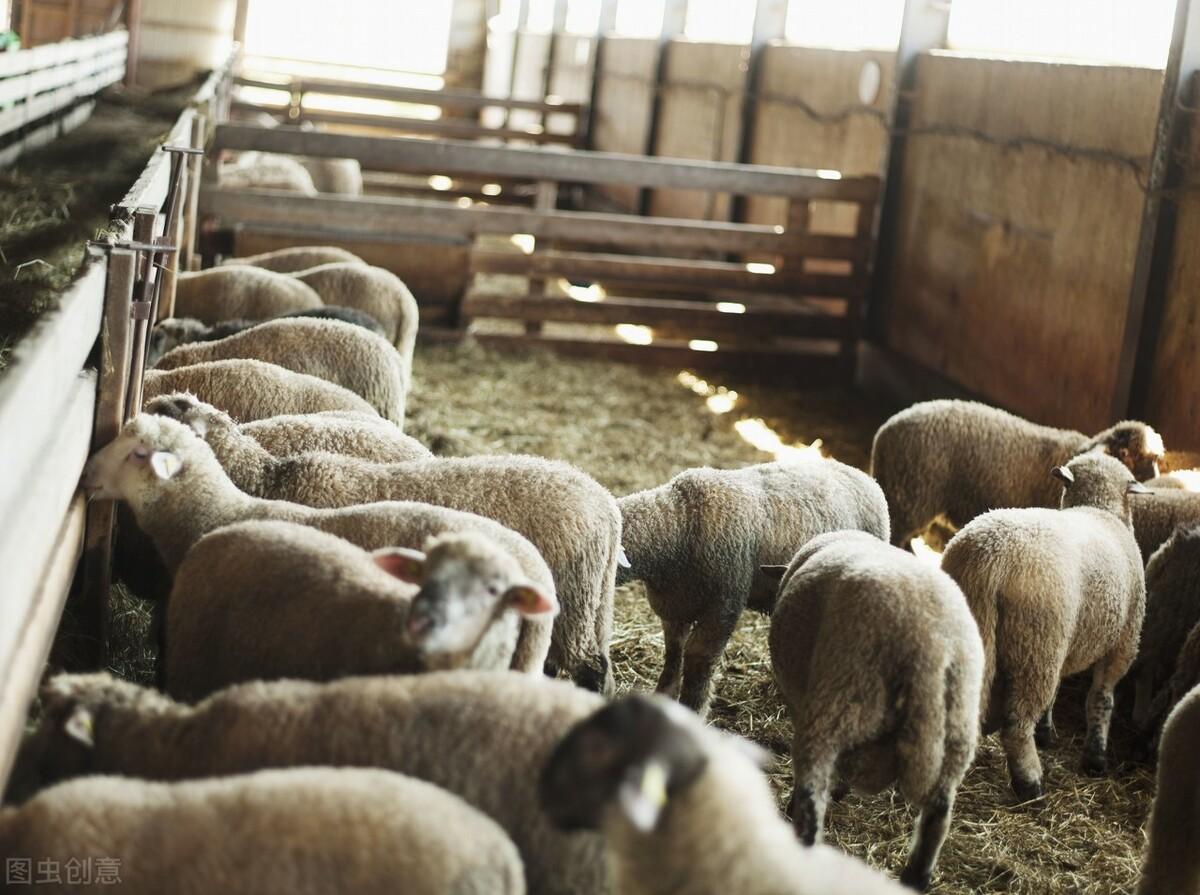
[(338, 352), (376, 291), (262, 600), (699, 540), (253, 389), (568, 516), (880, 664), (1055, 593), (957, 459), (1159, 514), (367, 437), (685, 808), (482, 736), (227, 293), (296, 258), (301, 830), (266, 171), (1172, 863)]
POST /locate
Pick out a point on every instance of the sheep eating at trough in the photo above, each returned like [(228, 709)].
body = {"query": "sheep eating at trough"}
[(958, 459), (699, 541), (296, 258), (228, 293), (880, 664), (1055, 593)]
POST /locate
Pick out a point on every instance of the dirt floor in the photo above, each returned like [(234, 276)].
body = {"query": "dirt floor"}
[(634, 428)]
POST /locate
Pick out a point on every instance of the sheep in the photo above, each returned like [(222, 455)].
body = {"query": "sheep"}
[(698, 542), (299, 830), (568, 516), (341, 176), (253, 390), (175, 331), (297, 258), (1055, 593), (1172, 610), (352, 434), (880, 664), (265, 600), (266, 171), (1158, 514), (225, 293), (1184, 677), (1175, 480), (685, 808), (376, 291), (1172, 862), (959, 459), (337, 352), (178, 493), (482, 736)]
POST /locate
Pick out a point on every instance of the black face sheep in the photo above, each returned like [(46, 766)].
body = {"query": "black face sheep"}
[(302, 830), (226, 293), (253, 389), (1172, 863), (958, 459), (568, 516), (685, 808), (176, 331), (337, 352), (267, 600), (374, 290), (297, 258), (699, 540), (483, 736), (178, 493), (880, 664), (1055, 593)]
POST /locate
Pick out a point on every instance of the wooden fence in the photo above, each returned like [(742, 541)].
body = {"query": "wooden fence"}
[(54, 410), (43, 91)]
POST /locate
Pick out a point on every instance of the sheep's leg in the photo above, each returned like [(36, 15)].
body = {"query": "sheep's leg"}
[(1099, 716), (1043, 734), (595, 675), (1024, 766), (674, 636), (700, 656), (932, 825), (810, 792), (1143, 695)]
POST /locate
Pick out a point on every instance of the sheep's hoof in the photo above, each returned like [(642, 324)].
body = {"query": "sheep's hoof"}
[(1094, 765), (915, 878), (1027, 790)]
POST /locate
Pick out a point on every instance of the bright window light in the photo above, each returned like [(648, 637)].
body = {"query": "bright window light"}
[(440, 182), (640, 18), (848, 24), (1126, 32), (731, 307), (760, 267), (634, 333), (541, 16), (702, 345), (524, 241), (720, 21), (583, 16)]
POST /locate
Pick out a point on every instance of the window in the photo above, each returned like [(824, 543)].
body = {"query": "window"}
[(583, 16), (720, 21), (847, 24), (640, 18), (1126, 32)]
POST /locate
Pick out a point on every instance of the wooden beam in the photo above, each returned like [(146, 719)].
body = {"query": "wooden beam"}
[(1156, 238), (456, 157)]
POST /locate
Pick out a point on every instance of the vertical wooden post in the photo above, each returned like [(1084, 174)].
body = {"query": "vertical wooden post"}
[(607, 23), (145, 225), (770, 18), (545, 200), (110, 414), (674, 20), (187, 245), (558, 26), (239, 22), (1156, 239), (522, 21), (923, 28), (133, 25)]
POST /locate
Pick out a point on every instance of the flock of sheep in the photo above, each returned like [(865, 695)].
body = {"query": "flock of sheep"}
[(358, 641)]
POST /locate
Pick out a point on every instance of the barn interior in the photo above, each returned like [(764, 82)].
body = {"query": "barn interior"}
[(644, 236)]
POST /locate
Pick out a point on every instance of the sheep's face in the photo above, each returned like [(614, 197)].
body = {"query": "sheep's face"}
[(185, 408), (625, 761), (1097, 480), (1135, 444), (171, 333), (116, 471), (465, 582)]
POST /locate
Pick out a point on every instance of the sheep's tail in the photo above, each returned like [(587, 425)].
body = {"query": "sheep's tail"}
[(921, 739), (981, 585)]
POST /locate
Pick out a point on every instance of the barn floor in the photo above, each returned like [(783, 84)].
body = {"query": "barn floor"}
[(634, 428)]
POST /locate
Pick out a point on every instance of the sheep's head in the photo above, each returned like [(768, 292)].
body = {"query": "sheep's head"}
[(1097, 480), (171, 333), (1135, 444), (185, 408), (465, 581), (149, 450)]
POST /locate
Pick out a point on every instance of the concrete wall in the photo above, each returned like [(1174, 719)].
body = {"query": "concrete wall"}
[(1014, 261)]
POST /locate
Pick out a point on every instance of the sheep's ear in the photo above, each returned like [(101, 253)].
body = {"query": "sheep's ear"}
[(401, 562), (1063, 474), (165, 464), (642, 795), (197, 424), (622, 559), (1137, 488), (773, 572), (79, 726), (530, 600)]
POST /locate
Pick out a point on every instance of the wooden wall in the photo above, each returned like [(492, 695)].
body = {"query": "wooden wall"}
[(49, 21), (1013, 261), (624, 103)]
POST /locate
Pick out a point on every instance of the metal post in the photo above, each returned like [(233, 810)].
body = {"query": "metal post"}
[(1156, 241), (674, 20), (922, 29)]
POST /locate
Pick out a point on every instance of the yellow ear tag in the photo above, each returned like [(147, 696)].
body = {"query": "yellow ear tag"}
[(654, 784)]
